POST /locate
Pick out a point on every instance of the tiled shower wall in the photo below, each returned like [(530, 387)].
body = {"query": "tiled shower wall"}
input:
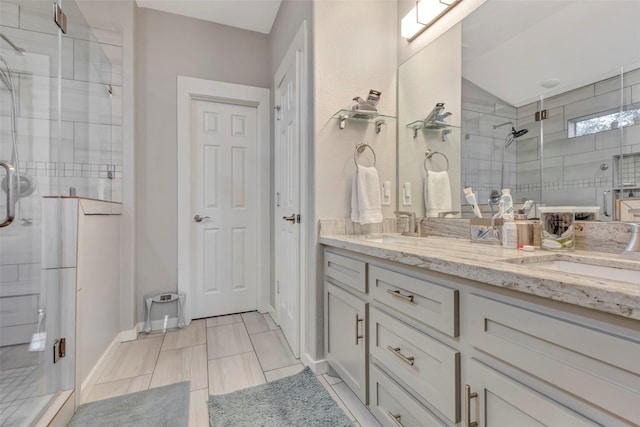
[(482, 145), (82, 150), (90, 148), (574, 168)]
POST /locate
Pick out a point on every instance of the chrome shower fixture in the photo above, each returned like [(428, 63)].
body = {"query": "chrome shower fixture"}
[(18, 50), (503, 124)]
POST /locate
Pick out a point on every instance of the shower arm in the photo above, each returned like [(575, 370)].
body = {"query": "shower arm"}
[(20, 51)]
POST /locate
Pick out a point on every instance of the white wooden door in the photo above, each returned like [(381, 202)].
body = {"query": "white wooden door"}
[(287, 220), (224, 208)]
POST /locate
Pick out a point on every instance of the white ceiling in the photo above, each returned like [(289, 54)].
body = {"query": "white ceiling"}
[(510, 47), (252, 15)]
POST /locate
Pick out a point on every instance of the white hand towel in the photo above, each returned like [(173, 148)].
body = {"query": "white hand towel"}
[(437, 193), (366, 206), (355, 212)]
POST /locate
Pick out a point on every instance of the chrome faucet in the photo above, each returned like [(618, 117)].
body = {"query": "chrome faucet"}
[(410, 228), (632, 250)]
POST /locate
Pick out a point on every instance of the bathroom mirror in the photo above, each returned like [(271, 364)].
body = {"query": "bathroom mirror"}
[(577, 62)]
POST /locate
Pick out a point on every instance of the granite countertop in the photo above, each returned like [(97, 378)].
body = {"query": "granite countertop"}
[(507, 268)]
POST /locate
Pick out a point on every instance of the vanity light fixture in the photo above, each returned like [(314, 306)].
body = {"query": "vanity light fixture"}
[(423, 15)]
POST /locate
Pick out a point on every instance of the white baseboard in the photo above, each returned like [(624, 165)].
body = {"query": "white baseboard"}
[(317, 366), (92, 378), (129, 335)]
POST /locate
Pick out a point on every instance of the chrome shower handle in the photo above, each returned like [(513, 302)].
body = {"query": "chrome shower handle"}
[(199, 218), (12, 188)]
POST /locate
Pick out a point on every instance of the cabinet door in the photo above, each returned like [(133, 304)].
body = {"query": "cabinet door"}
[(346, 338), (598, 366), (497, 400)]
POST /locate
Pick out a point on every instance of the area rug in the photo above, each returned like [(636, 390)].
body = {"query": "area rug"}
[(166, 406), (295, 401)]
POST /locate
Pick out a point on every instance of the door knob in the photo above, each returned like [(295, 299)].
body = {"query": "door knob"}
[(199, 218), (291, 218)]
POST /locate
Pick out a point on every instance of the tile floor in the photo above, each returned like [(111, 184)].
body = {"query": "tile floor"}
[(18, 382), (218, 355)]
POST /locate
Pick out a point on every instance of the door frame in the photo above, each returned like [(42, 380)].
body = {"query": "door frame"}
[(299, 45), (190, 88)]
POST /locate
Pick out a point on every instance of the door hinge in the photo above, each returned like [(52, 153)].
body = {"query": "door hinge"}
[(541, 115), (59, 349), (59, 17)]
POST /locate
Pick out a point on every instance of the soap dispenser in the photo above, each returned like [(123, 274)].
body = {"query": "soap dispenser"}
[(506, 202)]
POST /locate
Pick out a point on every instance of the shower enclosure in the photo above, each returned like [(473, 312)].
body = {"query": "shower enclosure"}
[(57, 138)]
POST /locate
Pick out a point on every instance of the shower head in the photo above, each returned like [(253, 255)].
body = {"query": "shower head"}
[(518, 133), (18, 50), (513, 135)]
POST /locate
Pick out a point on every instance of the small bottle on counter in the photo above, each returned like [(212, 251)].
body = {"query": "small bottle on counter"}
[(509, 233), (525, 229)]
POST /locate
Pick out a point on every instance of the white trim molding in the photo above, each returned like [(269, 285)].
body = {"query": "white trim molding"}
[(193, 88)]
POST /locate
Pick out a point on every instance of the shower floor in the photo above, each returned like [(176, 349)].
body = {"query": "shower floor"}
[(18, 385)]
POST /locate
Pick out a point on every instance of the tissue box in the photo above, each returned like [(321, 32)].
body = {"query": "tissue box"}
[(486, 230)]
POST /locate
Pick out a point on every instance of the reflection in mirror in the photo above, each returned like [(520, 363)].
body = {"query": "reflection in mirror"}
[(576, 61), (429, 146)]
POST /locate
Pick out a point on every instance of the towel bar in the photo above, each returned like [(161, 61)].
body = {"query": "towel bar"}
[(360, 149), (429, 154)]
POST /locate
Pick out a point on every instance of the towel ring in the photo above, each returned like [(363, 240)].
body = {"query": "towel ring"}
[(360, 149), (429, 154)]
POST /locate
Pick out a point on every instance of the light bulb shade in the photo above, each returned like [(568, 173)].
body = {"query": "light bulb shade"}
[(423, 15), (430, 10), (409, 25)]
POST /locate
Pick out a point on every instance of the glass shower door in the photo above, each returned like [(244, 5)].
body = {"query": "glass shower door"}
[(37, 297)]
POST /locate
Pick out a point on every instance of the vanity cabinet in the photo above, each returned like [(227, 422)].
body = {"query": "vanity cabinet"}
[(346, 317), (449, 351), (592, 361), (498, 400)]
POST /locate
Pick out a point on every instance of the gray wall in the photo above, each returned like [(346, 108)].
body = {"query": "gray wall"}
[(169, 45)]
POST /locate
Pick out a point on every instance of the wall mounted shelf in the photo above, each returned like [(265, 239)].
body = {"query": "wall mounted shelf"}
[(363, 116), (446, 128)]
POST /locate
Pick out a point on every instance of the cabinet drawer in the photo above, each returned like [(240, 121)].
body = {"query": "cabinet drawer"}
[(346, 271), (597, 366), (428, 303), (393, 406), (428, 367)]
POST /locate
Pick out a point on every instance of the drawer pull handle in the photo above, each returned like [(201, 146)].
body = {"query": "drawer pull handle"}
[(396, 350), (397, 294), (467, 406), (395, 418), (358, 320)]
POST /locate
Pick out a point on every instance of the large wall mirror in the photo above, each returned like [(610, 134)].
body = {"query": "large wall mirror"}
[(575, 62)]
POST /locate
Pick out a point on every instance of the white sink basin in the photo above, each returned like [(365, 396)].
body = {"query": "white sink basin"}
[(584, 268)]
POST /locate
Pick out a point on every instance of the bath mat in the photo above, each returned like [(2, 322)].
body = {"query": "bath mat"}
[(166, 406), (295, 401)]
